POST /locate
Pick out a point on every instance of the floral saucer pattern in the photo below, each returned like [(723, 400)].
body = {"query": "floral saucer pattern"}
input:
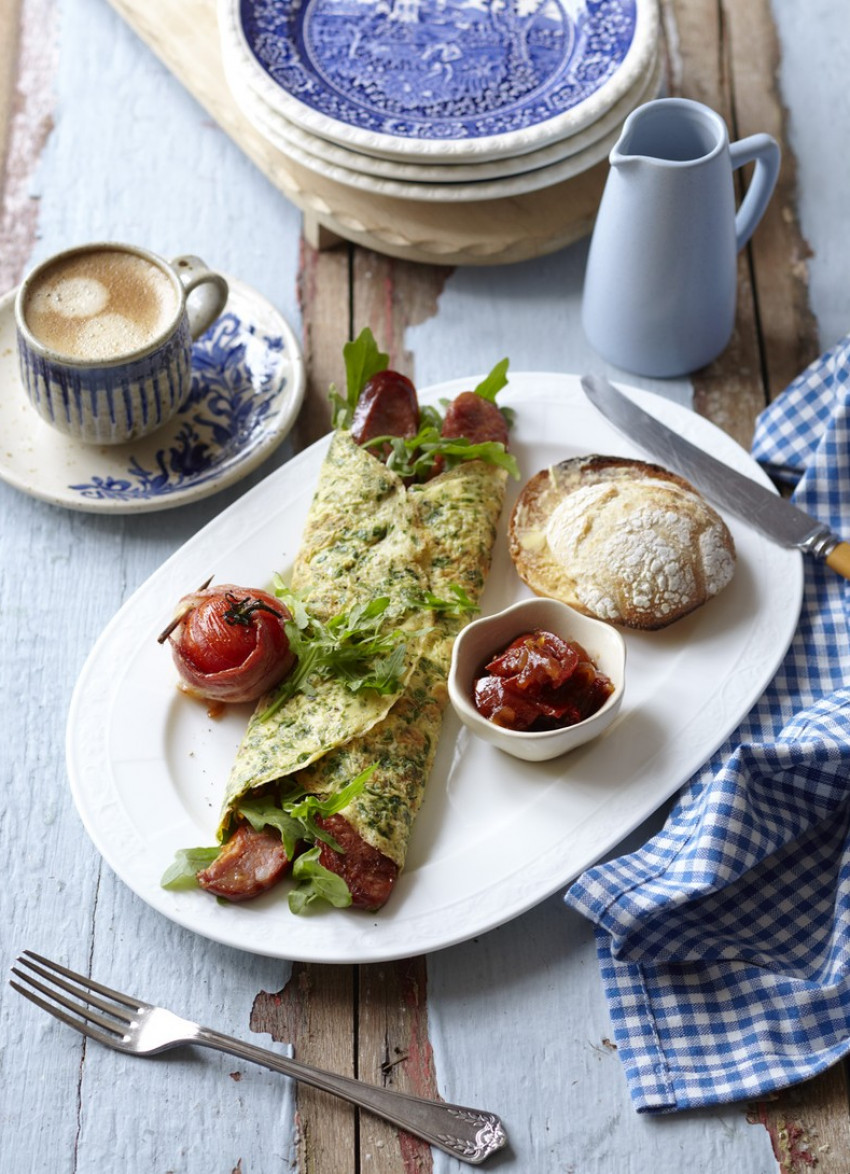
[(248, 383), (425, 76)]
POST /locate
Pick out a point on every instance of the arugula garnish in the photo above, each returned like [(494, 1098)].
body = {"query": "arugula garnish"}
[(458, 605), (363, 647), (187, 863), (415, 458), (362, 361), (294, 814), (492, 384), (355, 646), (316, 883)]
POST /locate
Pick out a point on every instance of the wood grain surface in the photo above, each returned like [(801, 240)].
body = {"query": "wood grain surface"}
[(99, 138)]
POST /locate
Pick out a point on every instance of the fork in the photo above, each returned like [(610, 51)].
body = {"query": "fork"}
[(141, 1029)]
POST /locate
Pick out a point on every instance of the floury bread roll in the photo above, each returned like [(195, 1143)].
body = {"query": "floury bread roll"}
[(621, 540)]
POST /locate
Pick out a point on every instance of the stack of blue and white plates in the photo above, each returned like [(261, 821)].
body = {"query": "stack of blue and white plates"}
[(441, 100)]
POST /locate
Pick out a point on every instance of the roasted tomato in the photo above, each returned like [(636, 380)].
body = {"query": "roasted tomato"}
[(230, 643)]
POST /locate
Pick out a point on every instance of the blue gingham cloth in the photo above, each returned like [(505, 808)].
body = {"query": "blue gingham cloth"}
[(724, 942)]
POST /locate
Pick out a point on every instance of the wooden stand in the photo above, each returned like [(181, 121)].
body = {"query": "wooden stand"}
[(184, 35)]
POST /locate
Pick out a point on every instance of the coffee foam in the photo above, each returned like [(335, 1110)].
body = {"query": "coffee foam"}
[(70, 297), (100, 305)]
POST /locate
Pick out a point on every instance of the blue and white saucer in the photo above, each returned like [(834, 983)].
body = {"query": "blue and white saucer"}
[(443, 80), (248, 381)]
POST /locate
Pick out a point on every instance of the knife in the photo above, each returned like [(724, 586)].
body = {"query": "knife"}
[(766, 511)]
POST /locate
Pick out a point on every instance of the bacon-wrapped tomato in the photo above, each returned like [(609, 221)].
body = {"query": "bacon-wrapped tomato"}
[(230, 643)]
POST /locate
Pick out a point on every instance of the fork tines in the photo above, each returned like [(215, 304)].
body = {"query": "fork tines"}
[(120, 1011)]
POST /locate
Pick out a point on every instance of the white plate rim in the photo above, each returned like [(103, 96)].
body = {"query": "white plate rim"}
[(438, 193), (51, 450), (635, 64), (286, 136), (422, 916)]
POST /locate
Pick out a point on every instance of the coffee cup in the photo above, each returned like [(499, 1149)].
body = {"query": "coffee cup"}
[(105, 334)]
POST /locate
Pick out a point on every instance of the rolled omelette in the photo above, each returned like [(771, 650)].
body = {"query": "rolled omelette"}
[(368, 536)]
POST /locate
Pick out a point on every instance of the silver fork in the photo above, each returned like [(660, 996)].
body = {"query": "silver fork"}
[(130, 1025)]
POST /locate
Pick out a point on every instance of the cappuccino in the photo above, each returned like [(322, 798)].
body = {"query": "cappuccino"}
[(100, 305)]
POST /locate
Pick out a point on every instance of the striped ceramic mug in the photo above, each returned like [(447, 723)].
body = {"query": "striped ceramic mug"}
[(105, 335)]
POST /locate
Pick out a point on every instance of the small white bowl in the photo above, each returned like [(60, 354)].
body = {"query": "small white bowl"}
[(483, 639)]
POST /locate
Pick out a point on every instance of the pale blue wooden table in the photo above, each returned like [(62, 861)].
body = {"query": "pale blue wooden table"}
[(102, 142)]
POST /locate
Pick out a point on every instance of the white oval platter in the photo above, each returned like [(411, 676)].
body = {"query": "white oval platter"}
[(495, 836)]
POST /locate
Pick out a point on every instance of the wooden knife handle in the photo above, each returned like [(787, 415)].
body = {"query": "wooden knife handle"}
[(839, 559)]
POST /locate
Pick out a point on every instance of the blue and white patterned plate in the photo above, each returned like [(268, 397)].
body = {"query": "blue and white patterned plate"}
[(444, 189), (441, 79), (248, 381), (284, 135)]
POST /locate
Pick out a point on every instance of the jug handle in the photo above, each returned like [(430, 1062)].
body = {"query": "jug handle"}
[(763, 150)]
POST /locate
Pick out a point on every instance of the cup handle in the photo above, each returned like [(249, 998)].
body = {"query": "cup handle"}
[(763, 150), (211, 298)]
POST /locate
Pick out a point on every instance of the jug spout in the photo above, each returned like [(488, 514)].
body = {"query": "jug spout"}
[(622, 159), (671, 131)]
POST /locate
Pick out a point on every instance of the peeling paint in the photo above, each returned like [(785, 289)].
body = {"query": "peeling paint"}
[(420, 1054), (279, 1013), (31, 124), (793, 1148), (794, 1144)]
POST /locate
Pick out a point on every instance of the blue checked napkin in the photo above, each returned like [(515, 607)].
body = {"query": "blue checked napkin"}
[(724, 942)]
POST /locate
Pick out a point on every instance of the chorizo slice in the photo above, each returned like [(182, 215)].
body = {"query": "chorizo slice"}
[(388, 406), (473, 418), (249, 863), (369, 874)]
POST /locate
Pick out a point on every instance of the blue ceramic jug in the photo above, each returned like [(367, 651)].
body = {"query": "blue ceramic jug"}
[(660, 288)]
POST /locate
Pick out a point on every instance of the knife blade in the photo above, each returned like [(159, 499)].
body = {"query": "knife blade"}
[(778, 519)]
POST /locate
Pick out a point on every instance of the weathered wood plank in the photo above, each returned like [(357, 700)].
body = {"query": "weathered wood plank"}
[(726, 56), (324, 297), (391, 296), (27, 63), (340, 291), (314, 1012), (394, 1051), (10, 20), (728, 391), (778, 250)]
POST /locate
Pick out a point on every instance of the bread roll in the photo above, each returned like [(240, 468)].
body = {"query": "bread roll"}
[(621, 540)]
